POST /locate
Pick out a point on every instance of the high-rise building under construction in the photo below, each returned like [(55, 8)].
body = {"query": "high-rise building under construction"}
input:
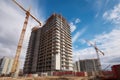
[(50, 47)]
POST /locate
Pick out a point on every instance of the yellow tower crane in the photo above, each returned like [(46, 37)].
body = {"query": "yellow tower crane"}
[(19, 47)]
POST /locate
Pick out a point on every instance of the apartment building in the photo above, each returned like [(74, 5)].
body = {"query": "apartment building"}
[(87, 65), (50, 47), (6, 65)]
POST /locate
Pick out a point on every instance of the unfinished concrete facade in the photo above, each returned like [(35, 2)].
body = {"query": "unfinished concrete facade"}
[(50, 47), (87, 65)]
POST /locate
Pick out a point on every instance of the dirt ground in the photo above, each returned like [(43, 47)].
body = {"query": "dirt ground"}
[(44, 78)]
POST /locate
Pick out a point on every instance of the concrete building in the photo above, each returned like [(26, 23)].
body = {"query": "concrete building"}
[(50, 47), (6, 65), (87, 65)]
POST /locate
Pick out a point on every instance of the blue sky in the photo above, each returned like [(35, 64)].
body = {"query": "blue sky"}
[(95, 20), (89, 12)]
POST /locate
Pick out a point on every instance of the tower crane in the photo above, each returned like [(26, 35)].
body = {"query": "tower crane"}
[(97, 52), (19, 46)]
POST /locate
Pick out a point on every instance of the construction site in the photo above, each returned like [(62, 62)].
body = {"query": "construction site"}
[(49, 55)]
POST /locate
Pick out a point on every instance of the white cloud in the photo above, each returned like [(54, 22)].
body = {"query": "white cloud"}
[(109, 43), (78, 34), (113, 15), (11, 22), (82, 41), (86, 53), (77, 21), (72, 27), (73, 24)]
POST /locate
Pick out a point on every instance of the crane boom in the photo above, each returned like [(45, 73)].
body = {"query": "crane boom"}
[(96, 48), (107, 67), (19, 5), (26, 11), (35, 19), (19, 47)]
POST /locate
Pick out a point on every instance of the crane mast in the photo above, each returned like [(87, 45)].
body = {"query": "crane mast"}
[(98, 57), (19, 46), (97, 53)]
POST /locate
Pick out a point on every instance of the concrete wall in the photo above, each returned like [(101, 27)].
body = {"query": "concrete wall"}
[(57, 61)]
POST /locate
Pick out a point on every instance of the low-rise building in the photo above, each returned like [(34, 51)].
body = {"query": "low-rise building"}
[(87, 65), (6, 65)]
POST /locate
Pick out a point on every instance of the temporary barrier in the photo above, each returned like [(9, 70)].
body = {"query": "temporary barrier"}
[(79, 74), (108, 73), (68, 73)]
